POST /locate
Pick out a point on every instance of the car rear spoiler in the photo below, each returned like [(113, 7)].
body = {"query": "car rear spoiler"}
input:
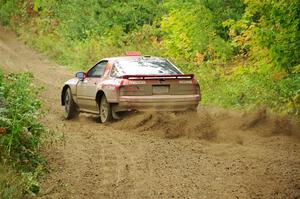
[(185, 76)]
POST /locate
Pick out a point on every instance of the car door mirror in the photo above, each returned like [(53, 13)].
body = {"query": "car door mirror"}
[(80, 75)]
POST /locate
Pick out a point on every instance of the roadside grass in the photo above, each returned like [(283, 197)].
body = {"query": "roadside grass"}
[(11, 185), (20, 136), (245, 88)]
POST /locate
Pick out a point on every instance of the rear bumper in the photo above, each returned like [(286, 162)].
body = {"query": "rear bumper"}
[(158, 102)]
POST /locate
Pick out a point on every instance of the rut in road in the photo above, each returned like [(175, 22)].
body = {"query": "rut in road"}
[(215, 153)]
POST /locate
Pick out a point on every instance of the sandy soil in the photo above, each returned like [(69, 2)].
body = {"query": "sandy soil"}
[(214, 153)]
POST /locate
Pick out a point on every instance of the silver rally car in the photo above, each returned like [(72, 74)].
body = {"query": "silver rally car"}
[(129, 83)]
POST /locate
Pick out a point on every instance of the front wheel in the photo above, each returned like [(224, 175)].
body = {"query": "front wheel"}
[(71, 110), (105, 110)]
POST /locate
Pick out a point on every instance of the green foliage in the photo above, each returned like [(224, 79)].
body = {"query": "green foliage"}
[(20, 127), (224, 10), (248, 88), (272, 26), (281, 34), (80, 19), (190, 30), (7, 9)]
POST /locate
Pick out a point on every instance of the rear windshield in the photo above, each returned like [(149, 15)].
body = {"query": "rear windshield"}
[(143, 67)]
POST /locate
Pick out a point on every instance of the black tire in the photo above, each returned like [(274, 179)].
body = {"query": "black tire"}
[(193, 110), (71, 110), (105, 110)]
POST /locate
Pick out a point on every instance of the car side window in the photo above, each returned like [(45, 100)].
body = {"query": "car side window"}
[(97, 70), (114, 71)]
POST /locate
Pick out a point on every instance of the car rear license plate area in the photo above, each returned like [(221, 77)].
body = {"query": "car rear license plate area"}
[(160, 89)]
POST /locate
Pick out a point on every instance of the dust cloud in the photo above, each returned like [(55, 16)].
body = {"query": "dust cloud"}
[(211, 124)]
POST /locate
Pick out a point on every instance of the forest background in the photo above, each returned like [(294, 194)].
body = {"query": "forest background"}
[(245, 53)]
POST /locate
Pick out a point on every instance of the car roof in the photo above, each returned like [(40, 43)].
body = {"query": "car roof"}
[(131, 58)]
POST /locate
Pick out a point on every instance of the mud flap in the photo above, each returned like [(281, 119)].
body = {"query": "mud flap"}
[(115, 115)]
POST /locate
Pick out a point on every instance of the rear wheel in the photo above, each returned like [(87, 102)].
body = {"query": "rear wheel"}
[(71, 110), (105, 110)]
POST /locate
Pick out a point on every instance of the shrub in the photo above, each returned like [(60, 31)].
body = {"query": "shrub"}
[(7, 9), (20, 127), (245, 87)]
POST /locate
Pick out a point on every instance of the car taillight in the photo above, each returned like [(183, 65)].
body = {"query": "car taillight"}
[(196, 85)]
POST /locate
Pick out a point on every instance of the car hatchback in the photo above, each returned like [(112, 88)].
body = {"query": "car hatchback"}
[(130, 83)]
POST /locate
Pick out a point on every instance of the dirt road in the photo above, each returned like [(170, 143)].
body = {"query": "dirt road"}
[(213, 154)]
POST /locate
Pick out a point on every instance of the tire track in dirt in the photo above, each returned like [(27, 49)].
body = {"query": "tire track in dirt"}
[(215, 154), (102, 164)]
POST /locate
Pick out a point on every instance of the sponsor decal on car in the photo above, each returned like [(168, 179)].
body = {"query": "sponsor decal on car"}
[(185, 82), (136, 82)]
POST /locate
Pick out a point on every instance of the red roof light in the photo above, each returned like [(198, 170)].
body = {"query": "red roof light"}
[(132, 53)]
